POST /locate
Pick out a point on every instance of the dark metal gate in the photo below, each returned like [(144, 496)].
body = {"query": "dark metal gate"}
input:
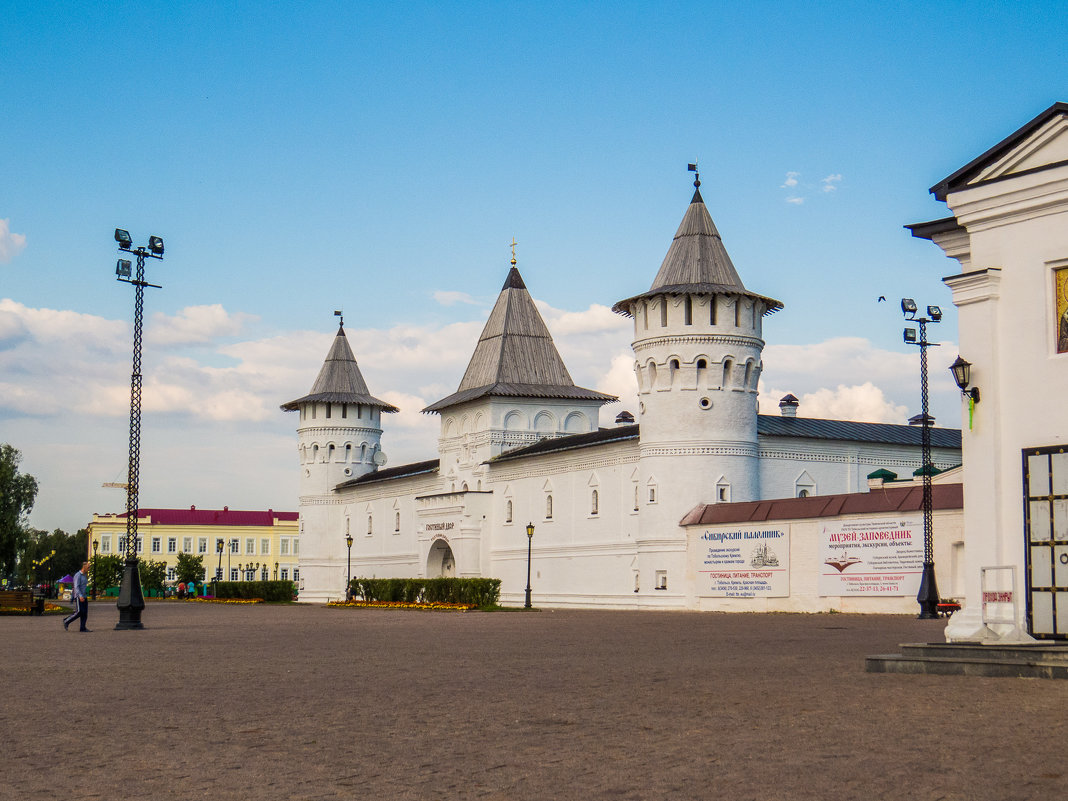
[(1046, 532)]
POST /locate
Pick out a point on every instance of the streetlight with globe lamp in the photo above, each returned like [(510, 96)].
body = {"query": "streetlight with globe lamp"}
[(348, 570), (530, 541)]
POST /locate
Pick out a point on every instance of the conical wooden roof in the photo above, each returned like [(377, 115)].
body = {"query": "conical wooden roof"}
[(696, 263), (515, 355), (339, 380)]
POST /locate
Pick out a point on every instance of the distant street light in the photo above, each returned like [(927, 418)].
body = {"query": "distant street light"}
[(96, 543), (927, 597), (348, 571), (530, 541)]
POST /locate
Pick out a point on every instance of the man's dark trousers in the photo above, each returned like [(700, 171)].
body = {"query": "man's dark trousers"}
[(81, 612)]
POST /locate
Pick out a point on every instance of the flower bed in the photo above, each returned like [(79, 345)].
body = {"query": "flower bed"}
[(445, 607), (207, 599)]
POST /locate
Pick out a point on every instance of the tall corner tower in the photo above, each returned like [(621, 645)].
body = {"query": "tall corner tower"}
[(340, 427), (697, 356)]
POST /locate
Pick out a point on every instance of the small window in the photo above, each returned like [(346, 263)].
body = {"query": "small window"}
[(328, 410), (687, 311), (250, 546), (265, 546), (370, 525), (313, 414), (645, 315), (202, 545), (170, 574), (187, 544), (508, 511), (233, 574), (652, 494), (396, 521), (344, 411), (172, 545), (156, 545), (284, 546), (329, 454), (712, 310), (663, 312), (548, 507), (296, 574), (802, 493), (635, 498), (593, 502), (661, 580), (285, 574)]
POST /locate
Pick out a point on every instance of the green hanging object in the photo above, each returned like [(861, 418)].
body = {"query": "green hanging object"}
[(971, 411)]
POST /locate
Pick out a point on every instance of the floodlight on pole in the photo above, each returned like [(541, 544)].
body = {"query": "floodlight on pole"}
[(131, 600), (927, 597)]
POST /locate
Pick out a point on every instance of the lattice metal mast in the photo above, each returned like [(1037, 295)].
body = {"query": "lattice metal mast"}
[(131, 601)]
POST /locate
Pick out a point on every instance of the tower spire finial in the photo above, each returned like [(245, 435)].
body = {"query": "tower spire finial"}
[(341, 322), (514, 243), (697, 175)]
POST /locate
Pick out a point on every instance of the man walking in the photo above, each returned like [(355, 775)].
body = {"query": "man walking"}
[(81, 602)]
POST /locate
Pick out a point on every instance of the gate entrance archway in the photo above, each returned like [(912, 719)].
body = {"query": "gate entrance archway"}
[(440, 561)]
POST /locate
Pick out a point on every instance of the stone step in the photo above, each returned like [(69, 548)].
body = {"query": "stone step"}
[(960, 659), (1040, 651)]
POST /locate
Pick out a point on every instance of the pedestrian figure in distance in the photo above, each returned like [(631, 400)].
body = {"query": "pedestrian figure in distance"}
[(81, 601)]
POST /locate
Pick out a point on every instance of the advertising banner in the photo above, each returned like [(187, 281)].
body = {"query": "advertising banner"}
[(744, 563), (871, 556)]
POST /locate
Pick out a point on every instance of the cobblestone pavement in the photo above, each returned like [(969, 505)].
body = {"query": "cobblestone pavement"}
[(306, 702)]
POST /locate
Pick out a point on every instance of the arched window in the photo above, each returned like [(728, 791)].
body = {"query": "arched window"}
[(712, 310), (315, 453), (593, 502), (687, 311), (635, 497), (329, 453), (348, 453), (726, 373), (508, 511), (548, 507), (370, 525), (396, 521), (663, 312)]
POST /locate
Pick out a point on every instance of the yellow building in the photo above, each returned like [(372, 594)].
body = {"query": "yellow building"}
[(241, 545)]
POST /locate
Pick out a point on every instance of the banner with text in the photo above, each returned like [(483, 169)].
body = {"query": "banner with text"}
[(871, 556), (744, 563)]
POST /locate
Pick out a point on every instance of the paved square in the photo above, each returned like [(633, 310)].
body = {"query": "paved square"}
[(299, 702)]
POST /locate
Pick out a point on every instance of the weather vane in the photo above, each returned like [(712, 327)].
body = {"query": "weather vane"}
[(514, 243), (692, 167), (339, 313)]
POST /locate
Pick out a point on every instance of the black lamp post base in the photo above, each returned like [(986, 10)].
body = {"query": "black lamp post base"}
[(131, 598), (927, 597)]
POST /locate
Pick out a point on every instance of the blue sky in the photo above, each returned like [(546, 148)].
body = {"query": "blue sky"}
[(378, 158)]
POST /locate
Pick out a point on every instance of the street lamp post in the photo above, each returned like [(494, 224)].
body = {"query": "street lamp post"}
[(348, 570), (530, 541), (927, 597), (229, 551), (131, 599), (96, 543), (219, 550)]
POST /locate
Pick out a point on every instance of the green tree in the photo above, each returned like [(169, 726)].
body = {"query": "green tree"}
[(153, 574), (189, 568), (18, 492), (108, 570)]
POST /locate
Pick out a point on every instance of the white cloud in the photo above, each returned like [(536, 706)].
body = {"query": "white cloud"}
[(864, 402), (830, 183), (791, 180), (797, 201), (450, 298), (11, 244), (195, 325)]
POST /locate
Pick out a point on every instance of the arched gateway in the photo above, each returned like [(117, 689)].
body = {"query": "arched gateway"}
[(440, 561)]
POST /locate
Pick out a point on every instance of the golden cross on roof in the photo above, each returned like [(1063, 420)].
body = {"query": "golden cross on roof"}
[(514, 243)]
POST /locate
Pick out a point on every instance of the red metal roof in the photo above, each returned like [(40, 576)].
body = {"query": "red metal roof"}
[(212, 517), (878, 501)]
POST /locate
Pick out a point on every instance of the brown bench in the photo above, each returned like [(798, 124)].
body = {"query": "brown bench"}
[(22, 599)]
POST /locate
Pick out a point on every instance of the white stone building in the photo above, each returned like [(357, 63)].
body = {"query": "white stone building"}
[(520, 444), (1009, 232)]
